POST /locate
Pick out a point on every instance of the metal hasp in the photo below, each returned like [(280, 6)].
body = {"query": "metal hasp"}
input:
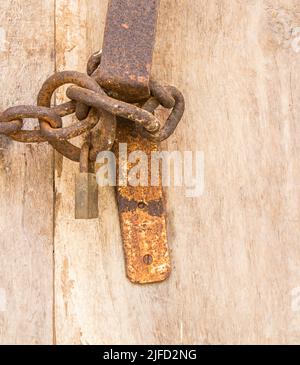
[(127, 48), (86, 188), (125, 73)]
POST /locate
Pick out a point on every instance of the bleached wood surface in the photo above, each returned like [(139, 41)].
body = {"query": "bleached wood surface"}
[(235, 249), (26, 181)]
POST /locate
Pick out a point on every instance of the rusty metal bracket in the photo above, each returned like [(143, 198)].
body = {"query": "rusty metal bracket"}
[(142, 216), (124, 73), (127, 48)]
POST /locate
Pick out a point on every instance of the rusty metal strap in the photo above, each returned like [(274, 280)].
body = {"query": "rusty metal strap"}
[(128, 48), (125, 73), (142, 216)]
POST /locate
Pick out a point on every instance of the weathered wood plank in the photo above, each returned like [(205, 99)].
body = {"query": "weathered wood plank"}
[(235, 248), (78, 248), (26, 183)]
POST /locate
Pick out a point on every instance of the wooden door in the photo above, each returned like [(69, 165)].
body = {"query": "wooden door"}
[(235, 249)]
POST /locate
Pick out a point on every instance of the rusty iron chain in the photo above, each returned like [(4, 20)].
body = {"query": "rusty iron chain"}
[(89, 101)]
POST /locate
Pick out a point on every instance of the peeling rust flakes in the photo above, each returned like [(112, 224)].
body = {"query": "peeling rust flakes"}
[(142, 218), (124, 25)]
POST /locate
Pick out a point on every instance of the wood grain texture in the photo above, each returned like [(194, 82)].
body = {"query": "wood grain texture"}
[(235, 249), (26, 183), (79, 244)]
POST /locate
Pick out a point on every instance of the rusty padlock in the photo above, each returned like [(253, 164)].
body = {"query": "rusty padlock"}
[(86, 188)]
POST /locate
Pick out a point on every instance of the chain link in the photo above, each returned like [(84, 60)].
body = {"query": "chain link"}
[(95, 110)]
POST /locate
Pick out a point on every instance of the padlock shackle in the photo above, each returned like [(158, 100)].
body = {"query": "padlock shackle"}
[(84, 158)]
